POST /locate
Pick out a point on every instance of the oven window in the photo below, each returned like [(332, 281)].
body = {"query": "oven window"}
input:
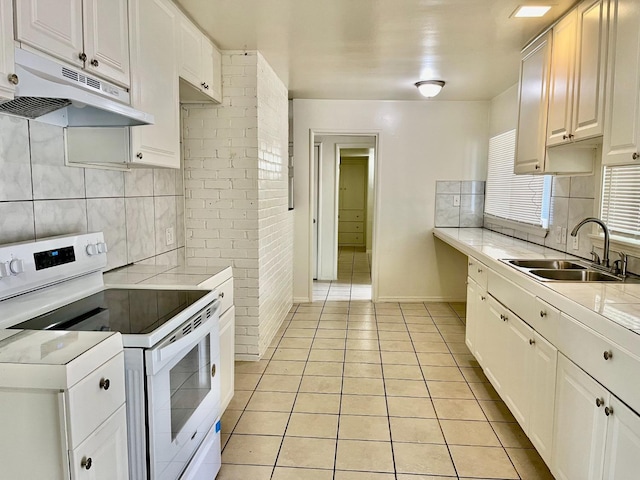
[(190, 382)]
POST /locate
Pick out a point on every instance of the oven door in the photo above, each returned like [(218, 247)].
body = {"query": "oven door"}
[(183, 392)]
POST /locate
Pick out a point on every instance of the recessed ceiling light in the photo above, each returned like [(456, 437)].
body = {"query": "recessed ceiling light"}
[(528, 11)]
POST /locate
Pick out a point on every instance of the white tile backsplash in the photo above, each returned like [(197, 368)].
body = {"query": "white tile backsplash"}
[(70, 200)]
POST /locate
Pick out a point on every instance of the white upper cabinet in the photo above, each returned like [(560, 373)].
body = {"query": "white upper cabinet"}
[(200, 65), (154, 82), (106, 39), (532, 114), (561, 80), (578, 65), (91, 34), (621, 144), (7, 76)]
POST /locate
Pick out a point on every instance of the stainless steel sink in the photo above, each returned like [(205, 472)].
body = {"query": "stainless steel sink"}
[(575, 275), (547, 264)]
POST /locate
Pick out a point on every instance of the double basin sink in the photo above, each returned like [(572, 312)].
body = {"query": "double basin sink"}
[(563, 270)]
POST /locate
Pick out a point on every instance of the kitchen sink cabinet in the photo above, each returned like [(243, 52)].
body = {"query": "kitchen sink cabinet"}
[(154, 82), (577, 78), (492, 345), (200, 65), (532, 100), (88, 34), (6, 49), (621, 141)]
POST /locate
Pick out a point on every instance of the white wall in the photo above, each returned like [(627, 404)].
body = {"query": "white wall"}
[(370, 198), (328, 252), (419, 143), (504, 112)]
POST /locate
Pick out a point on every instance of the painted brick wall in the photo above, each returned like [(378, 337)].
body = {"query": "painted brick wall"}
[(275, 222), (223, 191)]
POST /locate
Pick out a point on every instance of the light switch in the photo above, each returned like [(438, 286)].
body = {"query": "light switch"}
[(170, 236), (456, 200), (576, 242)]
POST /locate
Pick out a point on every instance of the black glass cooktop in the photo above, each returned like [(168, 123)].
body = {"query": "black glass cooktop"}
[(117, 310)]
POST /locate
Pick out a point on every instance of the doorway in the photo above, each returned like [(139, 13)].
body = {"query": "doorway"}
[(343, 204)]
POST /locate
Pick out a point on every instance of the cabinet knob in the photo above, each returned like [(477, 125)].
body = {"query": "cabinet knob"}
[(570, 136), (221, 295), (635, 155), (564, 137), (608, 411), (206, 87), (105, 383), (95, 62), (13, 79), (532, 341), (479, 270), (86, 463), (537, 166), (608, 355), (213, 370), (543, 313), (82, 56), (139, 155), (599, 402), (470, 264), (483, 298)]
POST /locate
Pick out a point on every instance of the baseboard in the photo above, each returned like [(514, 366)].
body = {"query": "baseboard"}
[(301, 300), (246, 357), (421, 299)]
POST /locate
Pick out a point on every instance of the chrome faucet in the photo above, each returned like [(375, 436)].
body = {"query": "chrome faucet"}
[(605, 253)]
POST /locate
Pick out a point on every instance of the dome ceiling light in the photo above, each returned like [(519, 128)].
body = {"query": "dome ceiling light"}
[(429, 88)]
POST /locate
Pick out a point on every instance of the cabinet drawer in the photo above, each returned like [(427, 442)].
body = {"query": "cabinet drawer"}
[(350, 237), (545, 319), (351, 216), (351, 227), (92, 400), (519, 301), (478, 271), (587, 348), (225, 291)]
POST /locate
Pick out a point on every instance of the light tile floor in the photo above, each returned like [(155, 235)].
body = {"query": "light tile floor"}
[(352, 390), (354, 278)]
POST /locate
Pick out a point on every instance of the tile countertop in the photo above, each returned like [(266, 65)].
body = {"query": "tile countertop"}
[(167, 277), (611, 309)]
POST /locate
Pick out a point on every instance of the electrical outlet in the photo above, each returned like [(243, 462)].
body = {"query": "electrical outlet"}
[(170, 236), (576, 242), (563, 240), (456, 200)]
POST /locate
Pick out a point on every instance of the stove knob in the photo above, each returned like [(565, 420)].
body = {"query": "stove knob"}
[(5, 270), (16, 266), (102, 247), (92, 250)]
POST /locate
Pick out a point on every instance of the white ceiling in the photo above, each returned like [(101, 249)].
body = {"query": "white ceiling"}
[(377, 49)]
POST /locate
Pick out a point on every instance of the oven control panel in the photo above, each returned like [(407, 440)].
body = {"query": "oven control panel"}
[(29, 265)]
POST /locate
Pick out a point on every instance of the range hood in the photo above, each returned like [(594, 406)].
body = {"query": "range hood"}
[(53, 93)]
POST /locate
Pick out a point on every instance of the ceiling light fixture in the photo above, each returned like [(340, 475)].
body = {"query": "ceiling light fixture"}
[(429, 88), (531, 11)]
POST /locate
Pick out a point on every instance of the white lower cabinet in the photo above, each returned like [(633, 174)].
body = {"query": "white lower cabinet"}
[(227, 357), (597, 437), (103, 455), (491, 345)]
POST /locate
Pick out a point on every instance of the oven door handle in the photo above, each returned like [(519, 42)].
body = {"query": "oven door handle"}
[(165, 352)]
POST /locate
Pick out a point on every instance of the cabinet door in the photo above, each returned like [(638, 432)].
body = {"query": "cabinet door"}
[(590, 69), (154, 82), (543, 395), (51, 26), (579, 424), (472, 314), (621, 142), (214, 68), (190, 53), (622, 458), (104, 452), (492, 344), (106, 39), (532, 113), (561, 80), (519, 355), (227, 356), (6, 49)]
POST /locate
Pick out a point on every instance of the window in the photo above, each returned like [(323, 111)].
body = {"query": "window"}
[(621, 200), (519, 198)]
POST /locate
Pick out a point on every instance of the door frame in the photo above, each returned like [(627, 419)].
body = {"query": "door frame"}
[(316, 196), (375, 134)]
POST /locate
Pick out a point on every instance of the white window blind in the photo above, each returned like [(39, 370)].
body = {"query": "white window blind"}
[(520, 198), (621, 200)]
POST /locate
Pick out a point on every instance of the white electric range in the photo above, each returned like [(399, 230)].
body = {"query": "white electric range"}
[(170, 339)]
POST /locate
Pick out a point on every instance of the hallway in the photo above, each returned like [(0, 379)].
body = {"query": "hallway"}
[(354, 278)]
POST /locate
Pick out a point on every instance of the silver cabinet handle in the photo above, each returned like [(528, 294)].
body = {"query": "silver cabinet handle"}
[(95, 62), (608, 355), (532, 341), (635, 155), (483, 298), (608, 411), (13, 79), (86, 463), (82, 56), (139, 155), (599, 402), (479, 270), (543, 313), (105, 383)]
